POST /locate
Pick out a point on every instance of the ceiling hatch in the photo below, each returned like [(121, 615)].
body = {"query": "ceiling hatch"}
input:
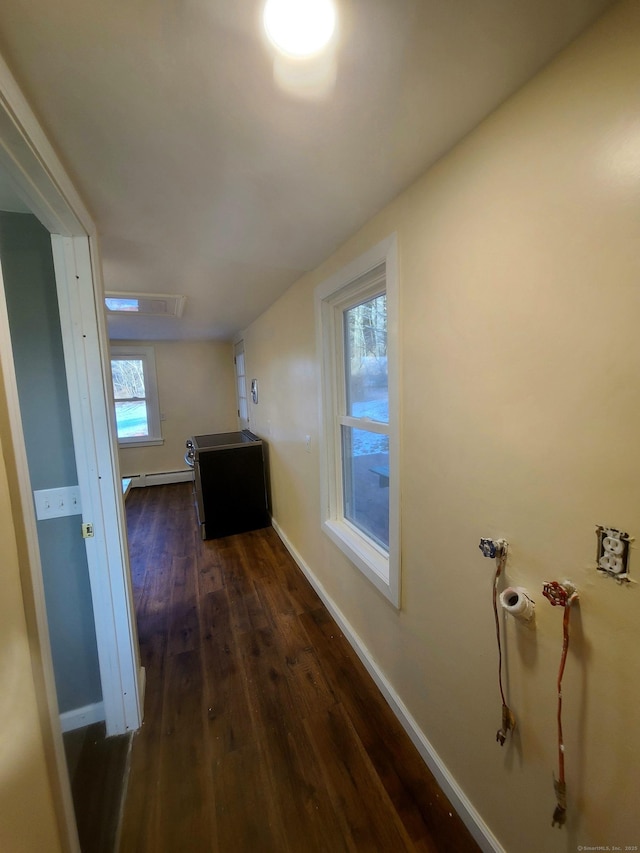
[(155, 304)]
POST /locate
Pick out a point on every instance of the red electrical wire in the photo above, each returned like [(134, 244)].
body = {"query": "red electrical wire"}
[(558, 594), (508, 719)]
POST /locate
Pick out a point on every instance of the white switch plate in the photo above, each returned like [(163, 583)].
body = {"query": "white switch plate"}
[(54, 503)]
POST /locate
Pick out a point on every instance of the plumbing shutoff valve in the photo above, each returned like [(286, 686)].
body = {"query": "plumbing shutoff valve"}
[(492, 547), (561, 594), (613, 552)]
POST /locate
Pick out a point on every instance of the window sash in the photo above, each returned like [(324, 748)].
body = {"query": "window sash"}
[(368, 424), (364, 492), (145, 355), (349, 497)]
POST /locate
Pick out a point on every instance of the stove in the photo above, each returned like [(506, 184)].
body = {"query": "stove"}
[(229, 482)]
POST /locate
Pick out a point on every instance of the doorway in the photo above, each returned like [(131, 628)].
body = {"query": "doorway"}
[(51, 207), (26, 262), (241, 385)]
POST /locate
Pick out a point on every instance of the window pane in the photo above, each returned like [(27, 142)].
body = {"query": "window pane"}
[(131, 419), (365, 480), (116, 304), (128, 378), (365, 330)]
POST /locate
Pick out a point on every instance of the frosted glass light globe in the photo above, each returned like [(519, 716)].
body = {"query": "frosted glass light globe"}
[(299, 28)]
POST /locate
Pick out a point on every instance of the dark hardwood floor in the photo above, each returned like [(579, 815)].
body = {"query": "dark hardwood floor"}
[(97, 768), (263, 732)]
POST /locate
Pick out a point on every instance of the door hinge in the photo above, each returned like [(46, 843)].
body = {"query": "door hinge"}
[(87, 530)]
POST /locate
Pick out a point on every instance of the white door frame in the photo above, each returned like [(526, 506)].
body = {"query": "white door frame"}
[(238, 349), (39, 178), (100, 485)]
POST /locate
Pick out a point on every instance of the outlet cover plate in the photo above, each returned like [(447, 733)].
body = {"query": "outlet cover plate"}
[(613, 552), (55, 503)]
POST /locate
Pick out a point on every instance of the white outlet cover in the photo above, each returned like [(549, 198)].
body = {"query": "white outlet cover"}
[(55, 503)]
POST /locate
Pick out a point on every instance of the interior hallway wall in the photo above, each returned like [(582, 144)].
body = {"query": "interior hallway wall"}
[(30, 288), (519, 271), (28, 821), (196, 389)]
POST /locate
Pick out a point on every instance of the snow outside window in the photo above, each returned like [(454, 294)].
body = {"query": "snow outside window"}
[(135, 395)]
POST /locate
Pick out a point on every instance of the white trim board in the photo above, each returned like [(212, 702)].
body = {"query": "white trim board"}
[(469, 815), (78, 718), (100, 486)]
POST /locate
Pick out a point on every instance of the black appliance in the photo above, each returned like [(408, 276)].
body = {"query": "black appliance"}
[(229, 482)]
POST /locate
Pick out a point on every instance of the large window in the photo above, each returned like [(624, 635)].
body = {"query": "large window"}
[(135, 395), (357, 322)]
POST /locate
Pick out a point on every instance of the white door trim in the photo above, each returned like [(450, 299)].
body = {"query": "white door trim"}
[(99, 484), (238, 350)]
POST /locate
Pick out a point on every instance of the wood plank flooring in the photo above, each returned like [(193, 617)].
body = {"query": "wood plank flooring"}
[(263, 732), (97, 771)]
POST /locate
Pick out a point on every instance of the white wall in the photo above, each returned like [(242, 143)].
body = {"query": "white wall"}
[(519, 271), (27, 816), (196, 388)]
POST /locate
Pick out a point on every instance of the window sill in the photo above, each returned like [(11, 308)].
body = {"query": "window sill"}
[(372, 562), (143, 442)]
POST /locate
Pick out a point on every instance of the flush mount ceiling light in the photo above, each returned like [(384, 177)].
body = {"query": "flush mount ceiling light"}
[(300, 28), (157, 304)]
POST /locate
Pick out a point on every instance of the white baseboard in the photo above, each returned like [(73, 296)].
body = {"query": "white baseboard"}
[(78, 718), (469, 815), (139, 481)]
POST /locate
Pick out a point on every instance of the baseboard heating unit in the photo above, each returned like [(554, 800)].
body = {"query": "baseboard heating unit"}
[(139, 481)]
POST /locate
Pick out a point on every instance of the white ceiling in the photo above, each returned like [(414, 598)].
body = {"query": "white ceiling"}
[(207, 179)]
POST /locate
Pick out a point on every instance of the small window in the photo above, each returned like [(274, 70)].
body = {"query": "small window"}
[(357, 321), (135, 395)]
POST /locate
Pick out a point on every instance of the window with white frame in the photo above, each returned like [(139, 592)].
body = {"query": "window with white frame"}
[(135, 395), (356, 313)]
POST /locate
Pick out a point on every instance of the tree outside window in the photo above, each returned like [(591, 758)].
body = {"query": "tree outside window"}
[(135, 394)]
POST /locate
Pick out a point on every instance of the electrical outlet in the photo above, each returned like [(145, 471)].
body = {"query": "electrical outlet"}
[(55, 503), (613, 551), (307, 443)]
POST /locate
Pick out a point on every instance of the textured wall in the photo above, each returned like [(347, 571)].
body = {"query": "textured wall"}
[(27, 818), (196, 388), (519, 270)]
